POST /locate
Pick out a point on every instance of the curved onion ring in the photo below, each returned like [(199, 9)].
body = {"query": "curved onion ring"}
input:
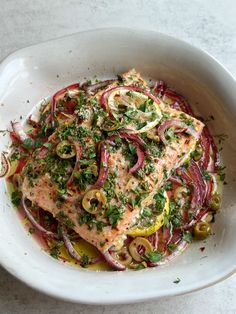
[(105, 95), (5, 166), (72, 251), (18, 131), (92, 89), (177, 124), (55, 98), (196, 195), (35, 223), (165, 260), (103, 169), (140, 161), (207, 143), (180, 100), (69, 245), (159, 88), (128, 136), (113, 262)]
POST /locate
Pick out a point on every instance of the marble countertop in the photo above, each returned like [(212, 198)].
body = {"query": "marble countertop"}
[(210, 25)]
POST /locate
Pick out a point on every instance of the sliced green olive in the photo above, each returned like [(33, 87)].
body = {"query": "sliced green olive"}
[(17, 181), (93, 201), (197, 154), (65, 150), (123, 256), (215, 202), (137, 244), (202, 230)]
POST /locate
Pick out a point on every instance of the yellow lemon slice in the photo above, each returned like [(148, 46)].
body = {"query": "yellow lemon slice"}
[(134, 110), (142, 231)]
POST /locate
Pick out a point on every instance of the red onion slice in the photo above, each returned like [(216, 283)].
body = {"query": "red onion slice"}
[(69, 245), (104, 97), (176, 124), (207, 142), (55, 98), (103, 170), (73, 253), (113, 262), (5, 166), (128, 136), (165, 260), (159, 88), (140, 161), (184, 105), (93, 89), (35, 223)]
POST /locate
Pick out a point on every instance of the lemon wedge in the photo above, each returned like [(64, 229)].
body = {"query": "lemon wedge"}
[(142, 231), (134, 110)]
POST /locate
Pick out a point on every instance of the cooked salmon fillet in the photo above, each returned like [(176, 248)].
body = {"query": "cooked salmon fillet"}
[(44, 192)]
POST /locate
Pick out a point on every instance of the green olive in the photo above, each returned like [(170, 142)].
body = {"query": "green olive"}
[(17, 181), (136, 244), (93, 200), (123, 256), (65, 150), (202, 230), (197, 154), (215, 202)]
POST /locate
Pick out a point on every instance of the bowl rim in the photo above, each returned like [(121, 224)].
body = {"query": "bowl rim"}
[(129, 299)]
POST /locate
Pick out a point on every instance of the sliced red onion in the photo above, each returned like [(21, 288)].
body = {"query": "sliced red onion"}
[(208, 143), (159, 88), (55, 98), (175, 124), (35, 223), (196, 175), (165, 260), (19, 132), (20, 165), (140, 161), (154, 239), (196, 194), (73, 253), (69, 245), (113, 262), (128, 136), (105, 95), (103, 169), (175, 180), (184, 105), (5, 166), (93, 89)]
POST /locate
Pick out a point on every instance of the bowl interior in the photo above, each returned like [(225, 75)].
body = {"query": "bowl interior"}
[(35, 72)]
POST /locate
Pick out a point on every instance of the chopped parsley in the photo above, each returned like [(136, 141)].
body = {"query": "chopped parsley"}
[(187, 236), (114, 214), (153, 257), (16, 198)]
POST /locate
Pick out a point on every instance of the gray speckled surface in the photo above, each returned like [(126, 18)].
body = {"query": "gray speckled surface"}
[(210, 25)]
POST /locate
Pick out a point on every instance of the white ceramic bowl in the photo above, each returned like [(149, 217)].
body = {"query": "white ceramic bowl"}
[(33, 73)]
